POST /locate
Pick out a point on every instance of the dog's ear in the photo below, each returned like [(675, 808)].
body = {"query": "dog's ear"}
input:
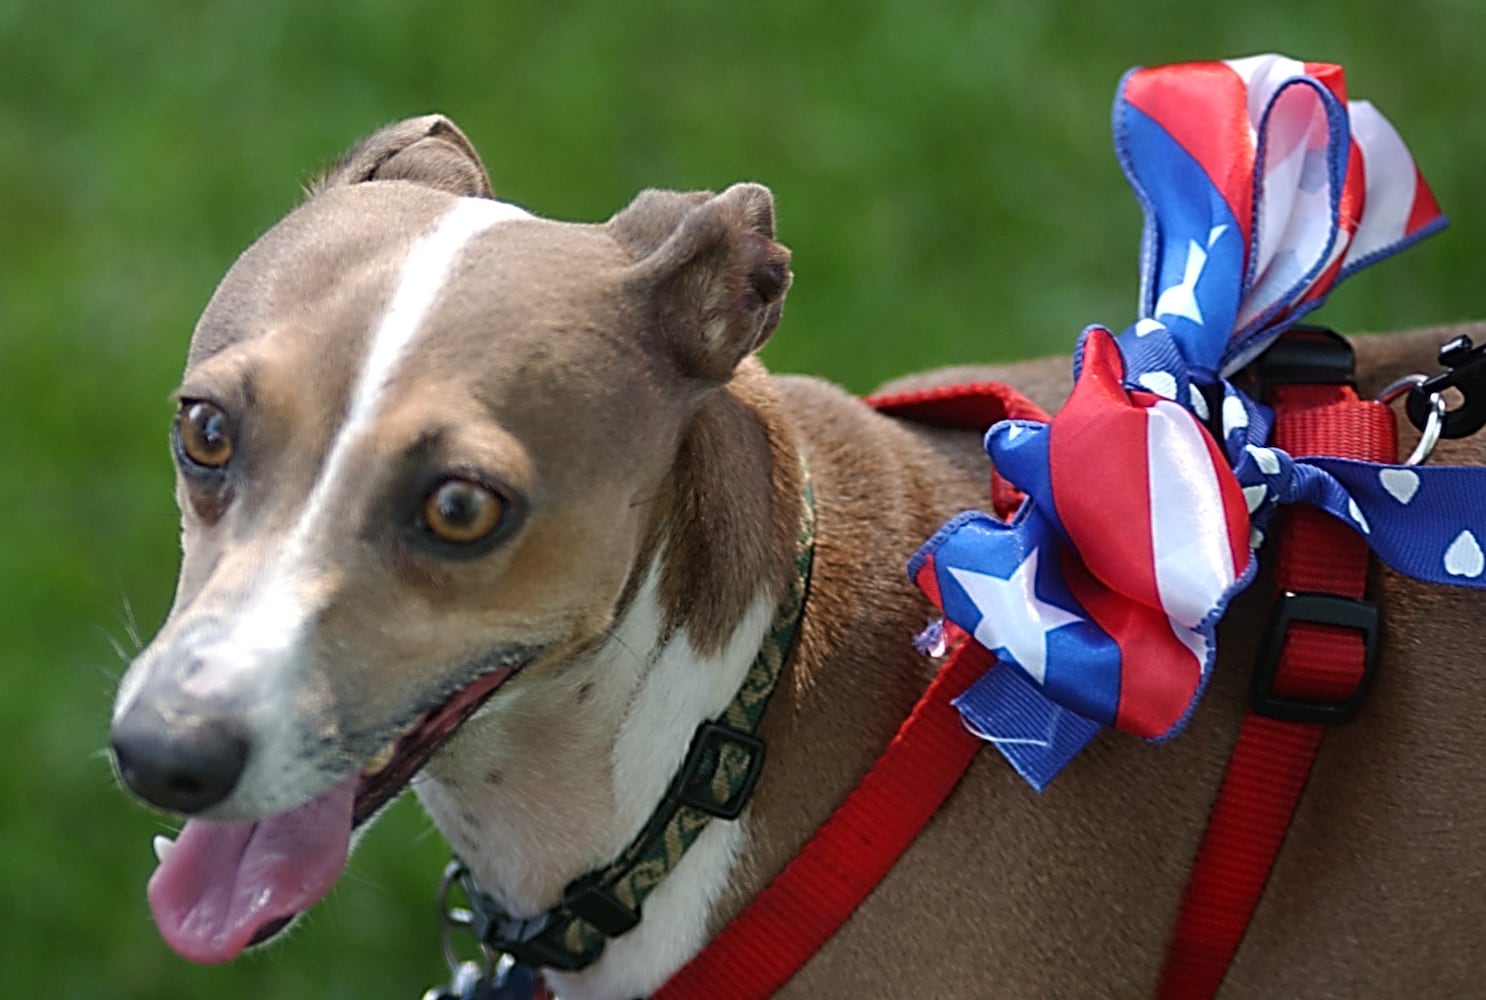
[(429, 150), (712, 269)]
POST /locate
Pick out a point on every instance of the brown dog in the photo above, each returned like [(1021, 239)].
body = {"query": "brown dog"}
[(432, 448)]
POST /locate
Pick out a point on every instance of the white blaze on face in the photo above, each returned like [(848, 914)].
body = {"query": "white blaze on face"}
[(258, 655), (423, 276)]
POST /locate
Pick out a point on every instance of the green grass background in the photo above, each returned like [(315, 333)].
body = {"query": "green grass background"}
[(943, 173)]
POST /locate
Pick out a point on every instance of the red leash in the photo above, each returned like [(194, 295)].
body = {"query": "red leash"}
[(1317, 666)]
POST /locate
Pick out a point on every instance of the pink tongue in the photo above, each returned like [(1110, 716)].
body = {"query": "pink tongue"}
[(222, 882)]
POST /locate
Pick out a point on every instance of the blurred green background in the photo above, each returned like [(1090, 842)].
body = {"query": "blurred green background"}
[(944, 176)]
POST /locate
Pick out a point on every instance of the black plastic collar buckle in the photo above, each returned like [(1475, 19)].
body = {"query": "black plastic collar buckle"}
[(590, 900), (536, 942), (539, 941), (713, 742), (1320, 609), (532, 942)]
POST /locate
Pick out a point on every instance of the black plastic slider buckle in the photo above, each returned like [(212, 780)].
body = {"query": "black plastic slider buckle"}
[(590, 900), (540, 953), (1305, 354), (539, 941), (1320, 609), (536, 942), (712, 741)]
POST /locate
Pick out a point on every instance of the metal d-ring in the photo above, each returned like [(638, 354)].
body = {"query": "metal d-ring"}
[(1430, 435), (453, 918), (470, 977)]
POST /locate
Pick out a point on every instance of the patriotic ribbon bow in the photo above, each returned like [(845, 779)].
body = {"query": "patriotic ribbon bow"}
[(1262, 188)]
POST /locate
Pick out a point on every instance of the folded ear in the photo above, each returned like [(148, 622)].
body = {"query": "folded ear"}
[(429, 150), (713, 272)]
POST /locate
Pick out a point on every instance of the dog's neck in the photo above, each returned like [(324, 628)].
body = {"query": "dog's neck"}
[(614, 730)]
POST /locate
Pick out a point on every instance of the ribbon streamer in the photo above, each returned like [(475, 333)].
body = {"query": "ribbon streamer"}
[(1262, 188)]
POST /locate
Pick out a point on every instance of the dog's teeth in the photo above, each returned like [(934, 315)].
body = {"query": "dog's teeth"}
[(380, 759), (162, 845)]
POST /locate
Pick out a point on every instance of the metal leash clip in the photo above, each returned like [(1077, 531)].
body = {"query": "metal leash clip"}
[(493, 976), (1465, 372), (1434, 419)]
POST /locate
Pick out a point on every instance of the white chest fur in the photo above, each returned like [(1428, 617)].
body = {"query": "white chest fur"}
[(557, 775)]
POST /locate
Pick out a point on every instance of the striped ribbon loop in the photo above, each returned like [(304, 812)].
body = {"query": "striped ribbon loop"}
[(1262, 187)]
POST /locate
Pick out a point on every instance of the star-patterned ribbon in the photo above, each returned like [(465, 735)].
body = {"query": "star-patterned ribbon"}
[(1262, 187)]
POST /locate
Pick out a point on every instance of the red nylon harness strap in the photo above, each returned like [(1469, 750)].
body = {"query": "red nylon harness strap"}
[(969, 406), (806, 903), (975, 405), (1272, 759)]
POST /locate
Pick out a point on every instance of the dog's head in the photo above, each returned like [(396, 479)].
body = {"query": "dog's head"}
[(418, 443)]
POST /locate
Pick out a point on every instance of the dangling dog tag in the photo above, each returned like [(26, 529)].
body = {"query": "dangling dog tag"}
[(473, 982)]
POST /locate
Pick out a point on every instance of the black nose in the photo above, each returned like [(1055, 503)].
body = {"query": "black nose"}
[(187, 764)]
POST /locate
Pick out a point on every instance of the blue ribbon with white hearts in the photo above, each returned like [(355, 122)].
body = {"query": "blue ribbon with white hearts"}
[(1262, 187)]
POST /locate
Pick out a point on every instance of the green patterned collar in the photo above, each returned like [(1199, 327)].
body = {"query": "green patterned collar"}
[(719, 773)]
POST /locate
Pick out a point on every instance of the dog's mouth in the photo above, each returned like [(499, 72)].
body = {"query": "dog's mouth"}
[(390, 769), (223, 887)]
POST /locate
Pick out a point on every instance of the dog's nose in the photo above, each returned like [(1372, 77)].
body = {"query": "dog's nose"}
[(186, 765)]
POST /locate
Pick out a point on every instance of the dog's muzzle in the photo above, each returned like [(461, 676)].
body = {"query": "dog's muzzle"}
[(184, 764)]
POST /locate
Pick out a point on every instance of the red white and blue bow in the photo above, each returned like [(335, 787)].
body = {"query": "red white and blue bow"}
[(1262, 187)]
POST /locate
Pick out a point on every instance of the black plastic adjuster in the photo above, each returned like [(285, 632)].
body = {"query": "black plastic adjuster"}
[(541, 953), (592, 901), (1320, 609), (536, 942), (694, 782), (1305, 354)]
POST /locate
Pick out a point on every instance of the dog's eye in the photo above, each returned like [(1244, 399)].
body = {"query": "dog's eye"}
[(460, 511), (203, 436)]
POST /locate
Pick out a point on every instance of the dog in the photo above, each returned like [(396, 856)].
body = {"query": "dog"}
[(502, 509)]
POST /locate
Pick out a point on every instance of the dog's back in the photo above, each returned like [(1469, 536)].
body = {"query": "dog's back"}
[(1009, 893)]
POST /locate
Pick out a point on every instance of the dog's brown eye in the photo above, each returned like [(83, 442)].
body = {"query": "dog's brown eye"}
[(204, 436), (460, 511)]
